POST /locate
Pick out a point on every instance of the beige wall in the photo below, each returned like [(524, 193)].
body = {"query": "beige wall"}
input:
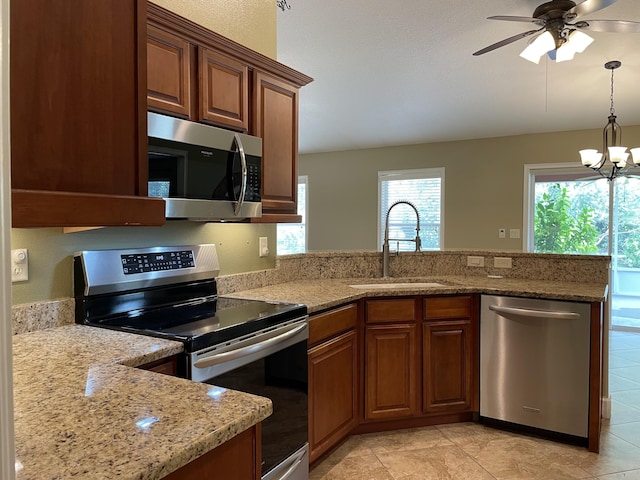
[(484, 182), (249, 22)]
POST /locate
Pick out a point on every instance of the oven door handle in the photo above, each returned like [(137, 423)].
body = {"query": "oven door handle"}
[(247, 350), (295, 462)]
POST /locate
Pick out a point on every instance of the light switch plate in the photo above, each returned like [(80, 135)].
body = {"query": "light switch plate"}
[(263, 248)]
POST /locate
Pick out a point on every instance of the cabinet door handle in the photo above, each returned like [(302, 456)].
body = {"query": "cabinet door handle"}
[(524, 312), (243, 184)]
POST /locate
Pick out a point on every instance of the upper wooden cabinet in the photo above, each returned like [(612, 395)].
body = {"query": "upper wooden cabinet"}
[(196, 82), (224, 90), (168, 73), (275, 119), (197, 74), (78, 114)]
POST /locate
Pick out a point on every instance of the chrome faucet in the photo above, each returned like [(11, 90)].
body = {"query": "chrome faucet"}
[(385, 245)]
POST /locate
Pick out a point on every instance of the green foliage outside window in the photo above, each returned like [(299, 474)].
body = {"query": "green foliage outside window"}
[(559, 230)]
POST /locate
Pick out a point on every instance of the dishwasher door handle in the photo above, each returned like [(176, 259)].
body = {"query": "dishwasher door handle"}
[(524, 312)]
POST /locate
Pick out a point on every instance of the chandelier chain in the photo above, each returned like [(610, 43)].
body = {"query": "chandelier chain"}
[(612, 110)]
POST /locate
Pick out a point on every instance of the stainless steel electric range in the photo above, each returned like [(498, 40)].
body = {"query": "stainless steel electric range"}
[(253, 346)]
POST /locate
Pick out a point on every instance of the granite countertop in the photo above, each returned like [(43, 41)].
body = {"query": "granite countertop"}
[(322, 294), (82, 411)]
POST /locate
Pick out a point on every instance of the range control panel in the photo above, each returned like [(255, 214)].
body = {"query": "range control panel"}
[(157, 261)]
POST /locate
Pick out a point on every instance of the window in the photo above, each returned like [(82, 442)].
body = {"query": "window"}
[(292, 237), (424, 188)]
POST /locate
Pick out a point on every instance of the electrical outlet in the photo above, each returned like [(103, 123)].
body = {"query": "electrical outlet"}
[(19, 265), (502, 233), (475, 261), (263, 248), (502, 262)]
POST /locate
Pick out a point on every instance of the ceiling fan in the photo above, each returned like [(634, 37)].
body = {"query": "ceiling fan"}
[(562, 33)]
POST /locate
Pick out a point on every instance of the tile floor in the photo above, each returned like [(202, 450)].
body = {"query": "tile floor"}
[(471, 451)]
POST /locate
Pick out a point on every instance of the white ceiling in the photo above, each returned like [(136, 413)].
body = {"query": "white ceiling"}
[(402, 72)]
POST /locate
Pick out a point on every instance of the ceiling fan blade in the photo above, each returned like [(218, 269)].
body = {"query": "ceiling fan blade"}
[(509, 18), (615, 26), (506, 41), (590, 6)]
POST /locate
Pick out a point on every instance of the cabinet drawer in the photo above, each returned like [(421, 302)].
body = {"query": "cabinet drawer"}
[(458, 306), (331, 323), (391, 310)]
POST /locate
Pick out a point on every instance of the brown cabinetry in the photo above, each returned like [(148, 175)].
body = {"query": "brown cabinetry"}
[(168, 73), (237, 459), (391, 367), (333, 378), (275, 119), (167, 366), (197, 74), (78, 114), (195, 81), (438, 365), (449, 354)]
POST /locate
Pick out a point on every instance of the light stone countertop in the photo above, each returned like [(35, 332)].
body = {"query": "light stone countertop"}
[(82, 411), (319, 295)]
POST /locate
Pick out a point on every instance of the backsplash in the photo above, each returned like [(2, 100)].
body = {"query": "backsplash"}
[(358, 264)]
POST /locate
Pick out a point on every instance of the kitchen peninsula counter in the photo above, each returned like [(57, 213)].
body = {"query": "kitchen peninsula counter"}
[(82, 411), (322, 294)]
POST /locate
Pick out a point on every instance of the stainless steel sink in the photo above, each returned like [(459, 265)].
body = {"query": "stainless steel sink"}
[(389, 285)]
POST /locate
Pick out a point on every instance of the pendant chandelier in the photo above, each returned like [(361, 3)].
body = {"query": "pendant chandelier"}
[(614, 159)]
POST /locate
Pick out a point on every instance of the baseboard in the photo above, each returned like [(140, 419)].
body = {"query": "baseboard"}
[(606, 407)]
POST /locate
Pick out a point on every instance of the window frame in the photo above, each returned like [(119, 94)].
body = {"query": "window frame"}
[(412, 174), (302, 180)]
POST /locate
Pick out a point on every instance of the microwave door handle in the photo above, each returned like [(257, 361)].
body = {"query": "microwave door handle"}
[(243, 186)]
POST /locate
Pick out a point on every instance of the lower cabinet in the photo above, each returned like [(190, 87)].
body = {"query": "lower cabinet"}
[(409, 374), (333, 378), (449, 354), (391, 359), (236, 459)]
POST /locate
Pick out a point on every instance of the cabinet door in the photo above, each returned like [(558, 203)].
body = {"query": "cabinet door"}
[(168, 73), (332, 392), (275, 119), (390, 371), (78, 114), (224, 90), (447, 366), (236, 459)]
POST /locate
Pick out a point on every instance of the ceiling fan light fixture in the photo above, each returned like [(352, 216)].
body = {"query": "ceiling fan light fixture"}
[(579, 41), (538, 47), (564, 53)]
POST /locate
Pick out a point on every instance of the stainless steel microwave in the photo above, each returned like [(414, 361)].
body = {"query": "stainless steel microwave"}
[(202, 172)]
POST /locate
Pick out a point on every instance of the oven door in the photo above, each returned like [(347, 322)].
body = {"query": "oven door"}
[(273, 365)]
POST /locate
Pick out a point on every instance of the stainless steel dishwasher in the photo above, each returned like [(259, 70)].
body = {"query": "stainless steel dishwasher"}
[(534, 365)]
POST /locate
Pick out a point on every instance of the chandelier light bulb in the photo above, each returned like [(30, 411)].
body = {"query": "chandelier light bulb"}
[(618, 156), (591, 157)]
